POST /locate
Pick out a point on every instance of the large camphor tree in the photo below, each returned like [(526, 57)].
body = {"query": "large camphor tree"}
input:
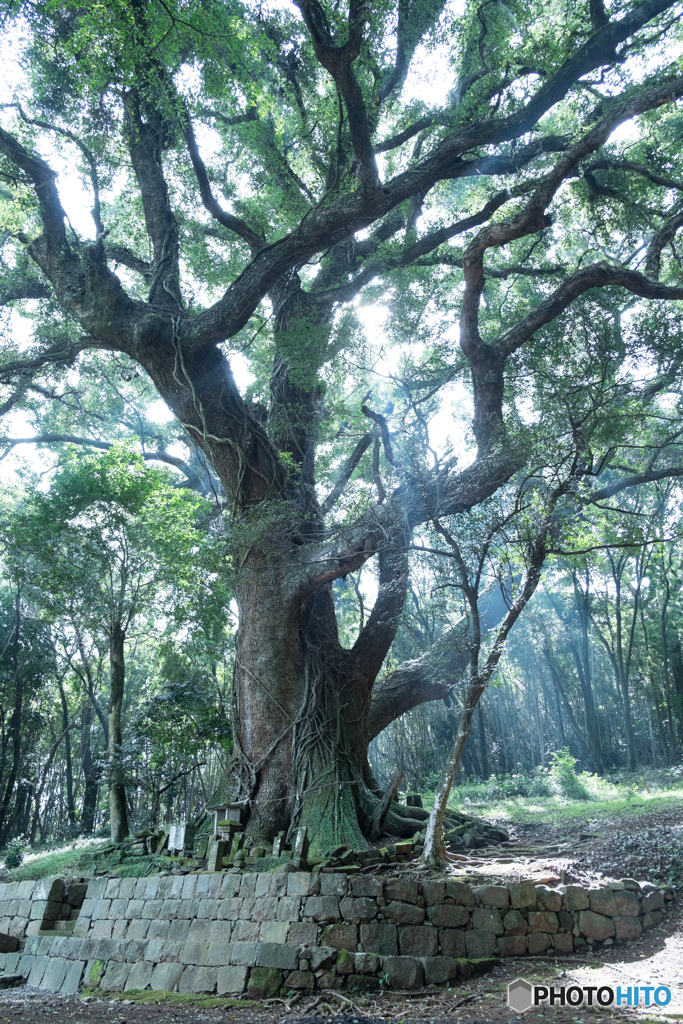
[(254, 171)]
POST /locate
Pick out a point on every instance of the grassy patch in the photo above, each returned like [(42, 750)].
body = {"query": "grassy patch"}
[(175, 998), (513, 798), (78, 860), (68, 861)]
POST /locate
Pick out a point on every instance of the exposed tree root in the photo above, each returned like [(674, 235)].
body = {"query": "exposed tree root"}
[(331, 994)]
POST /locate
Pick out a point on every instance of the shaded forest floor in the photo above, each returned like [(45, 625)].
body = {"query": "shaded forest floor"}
[(641, 842)]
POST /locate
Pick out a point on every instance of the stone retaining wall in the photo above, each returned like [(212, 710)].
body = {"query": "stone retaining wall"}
[(26, 908), (256, 933)]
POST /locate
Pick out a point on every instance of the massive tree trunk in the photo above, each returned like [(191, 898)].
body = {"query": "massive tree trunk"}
[(302, 702)]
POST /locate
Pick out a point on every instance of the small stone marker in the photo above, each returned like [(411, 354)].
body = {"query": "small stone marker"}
[(214, 858), (300, 847), (180, 838), (278, 844)]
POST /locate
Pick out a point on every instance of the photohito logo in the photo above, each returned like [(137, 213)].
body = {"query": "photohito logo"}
[(522, 996)]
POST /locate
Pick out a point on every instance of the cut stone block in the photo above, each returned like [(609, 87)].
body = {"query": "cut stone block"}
[(274, 931), (627, 904), (338, 936), (400, 890), (198, 979), (403, 972), (140, 976), (460, 892), (300, 980), (563, 943), (244, 953), (439, 969), (652, 901), (336, 884), (102, 929), (137, 930), (101, 910), (366, 963), (479, 943), (231, 979), (304, 934), (322, 958), (302, 883), (72, 977), (488, 919), (595, 926), (345, 963), (115, 977), (433, 893), (93, 972), (360, 909), (452, 942), (322, 908), (602, 901), (494, 896), (405, 913), (157, 929), (34, 970), (270, 954), (178, 931), (371, 887), (52, 889), (264, 909), (514, 923), (523, 894), (550, 899), (378, 937), (330, 980), (194, 952), (543, 921), (218, 954), (511, 945), (448, 916), (418, 941), (538, 942), (575, 897), (264, 982), (165, 977), (288, 908)]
